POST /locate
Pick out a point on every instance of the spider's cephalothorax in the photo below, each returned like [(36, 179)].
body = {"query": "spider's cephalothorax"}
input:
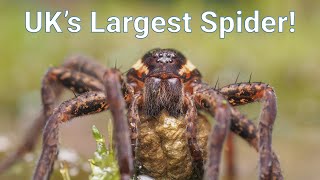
[(163, 129), (162, 74)]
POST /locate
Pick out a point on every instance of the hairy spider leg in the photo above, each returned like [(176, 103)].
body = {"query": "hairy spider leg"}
[(230, 157), (244, 93), (220, 109), (85, 65), (191, 118), (113, 90), (247, 130), (79, 74), (87, 103)]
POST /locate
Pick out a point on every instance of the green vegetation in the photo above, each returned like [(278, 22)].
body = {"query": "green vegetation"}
[(103, 164), (64, 171)]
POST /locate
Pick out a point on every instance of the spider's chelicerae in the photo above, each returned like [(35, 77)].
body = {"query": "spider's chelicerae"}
[(157, 115)]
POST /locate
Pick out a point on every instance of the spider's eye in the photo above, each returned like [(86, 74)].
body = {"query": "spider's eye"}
[(164, 59)]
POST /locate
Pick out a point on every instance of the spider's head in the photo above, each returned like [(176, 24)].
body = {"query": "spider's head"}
[(163, 75), (164, 64)]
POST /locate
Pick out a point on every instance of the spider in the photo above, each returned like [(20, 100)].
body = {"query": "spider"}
[(157, 110)]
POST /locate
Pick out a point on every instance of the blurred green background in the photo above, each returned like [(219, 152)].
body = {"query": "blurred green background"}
[(290, 62)]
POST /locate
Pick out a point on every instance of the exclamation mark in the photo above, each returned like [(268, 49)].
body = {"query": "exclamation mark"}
[(292, 21)]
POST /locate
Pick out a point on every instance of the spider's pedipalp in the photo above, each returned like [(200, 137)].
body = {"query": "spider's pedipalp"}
[(87, 103), (244, 93)]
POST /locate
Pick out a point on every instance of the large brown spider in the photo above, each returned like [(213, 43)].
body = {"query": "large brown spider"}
[(163, 132)]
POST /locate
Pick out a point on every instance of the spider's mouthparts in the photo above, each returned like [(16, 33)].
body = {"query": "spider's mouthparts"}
[(163, 94)]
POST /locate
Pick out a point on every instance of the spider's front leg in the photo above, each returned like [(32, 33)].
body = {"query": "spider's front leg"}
[(113, 89), (87, 103), (85, 65), (79, 74), (247, 130), (218, 107), (243, 93)]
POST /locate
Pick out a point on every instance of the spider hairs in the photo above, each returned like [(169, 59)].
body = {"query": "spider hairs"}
[(166, 94)]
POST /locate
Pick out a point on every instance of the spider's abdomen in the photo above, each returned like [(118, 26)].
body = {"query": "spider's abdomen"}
[(163, 150)]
